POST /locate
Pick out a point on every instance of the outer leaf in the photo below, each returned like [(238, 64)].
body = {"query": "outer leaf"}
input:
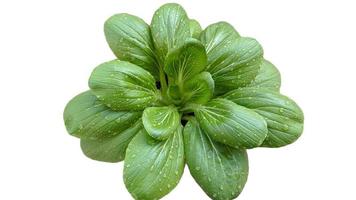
[(186, 61), (231, 124), (130, 39), (232, 61), (199, 89), (160, 122), (267, 77), (237, 64), (87, 117), (220, 170), (110, 149), (170, 28), (283, 116), (215, 36), (152, 167), (195, 28), (123, 86)]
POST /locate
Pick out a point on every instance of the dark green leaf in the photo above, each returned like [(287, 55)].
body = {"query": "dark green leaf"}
[(174, 93), (268, 77), (152, 167), (123, 86), (160, 122), (110, 149), (199, 89), (220, 170), (170, 28), (195, 28), (283, 116), (88, 118), (231, 124), (130, 39), (186, 61)]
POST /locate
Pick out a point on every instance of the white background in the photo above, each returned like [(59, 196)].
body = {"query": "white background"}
[(48, 49)]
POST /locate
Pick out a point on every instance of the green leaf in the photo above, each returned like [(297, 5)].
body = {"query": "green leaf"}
[(160, 122), (170, 28), (268, 77), (199, 89), (195, 28), (123, 86), (237, 65), (152, 167), (220, 170), (88, 118), (130, 39), (233, 61), (110, 149), (283, 116), (215, 36), (186, 61), (231, 124), (174, 93)]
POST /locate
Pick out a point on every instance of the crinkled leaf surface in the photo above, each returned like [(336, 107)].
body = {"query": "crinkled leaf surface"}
[(153, 167), (195, 28), (231, 124), (283, 116), (123, 86), (170, 28), (220, 170), (88, 118), (161, 122), (130, 39), (268, 77), (110, 149), (186, 61), (199, 89)]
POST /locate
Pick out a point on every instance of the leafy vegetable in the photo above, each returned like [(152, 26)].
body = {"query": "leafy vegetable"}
[(176, 95)]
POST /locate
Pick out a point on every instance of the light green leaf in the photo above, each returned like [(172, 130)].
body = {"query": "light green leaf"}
[(170, 28), (160, 122), (231, 124), (123, 86), (199, 89), (110, 149), (195, 28), (268, 77), (130, 39), (88, 118), (152, 167), (220, 170), (283, 116), (216, 36), (186, 61)]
